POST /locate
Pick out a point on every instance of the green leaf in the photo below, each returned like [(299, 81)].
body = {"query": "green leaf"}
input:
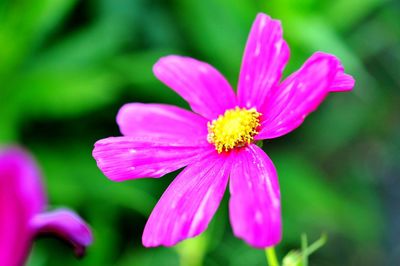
[(68, 91), (344, 14), (73, 76), (34, 21)]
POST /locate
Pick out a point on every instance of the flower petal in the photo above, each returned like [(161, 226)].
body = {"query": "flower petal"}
[(254, 206), (264, 59), (300, 94), (342, 82), (122, 158), (187, 206), (21, 197), (65, 224), (162, 122), (202, 86)]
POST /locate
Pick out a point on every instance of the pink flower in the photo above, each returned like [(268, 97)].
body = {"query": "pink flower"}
[(22, 216), (216, 142)]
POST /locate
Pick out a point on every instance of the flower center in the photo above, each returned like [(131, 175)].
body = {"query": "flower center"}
[(235, 128)]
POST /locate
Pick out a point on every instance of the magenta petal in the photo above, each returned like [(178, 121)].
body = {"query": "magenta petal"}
[(264, 59), (299, 95), (122, 158), (187, 206), (66, 224), (254, 206), (342, 82), (201, 85), (162, 122), (21, 197)]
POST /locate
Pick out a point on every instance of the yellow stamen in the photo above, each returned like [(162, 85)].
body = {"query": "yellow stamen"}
[(235, 128)]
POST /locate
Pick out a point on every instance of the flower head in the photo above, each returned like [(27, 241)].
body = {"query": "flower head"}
[(235, 128), (22, 210), (217, 141)]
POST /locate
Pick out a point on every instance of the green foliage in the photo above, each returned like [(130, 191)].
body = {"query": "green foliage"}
[(67, 66), (301, 257)]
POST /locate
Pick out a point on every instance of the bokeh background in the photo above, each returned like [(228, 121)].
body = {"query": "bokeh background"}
[(67, 66)]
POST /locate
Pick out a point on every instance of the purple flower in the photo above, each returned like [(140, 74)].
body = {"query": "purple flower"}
[(217, 141), (22, 210)]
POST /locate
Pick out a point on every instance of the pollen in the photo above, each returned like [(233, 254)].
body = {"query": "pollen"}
[(235, 128)]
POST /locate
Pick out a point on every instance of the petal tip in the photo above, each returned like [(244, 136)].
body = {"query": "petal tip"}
[(262, 19), (160, 64), (67, 225), (261, 240)]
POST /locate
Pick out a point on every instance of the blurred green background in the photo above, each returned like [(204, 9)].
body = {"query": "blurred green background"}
[(67, 66)]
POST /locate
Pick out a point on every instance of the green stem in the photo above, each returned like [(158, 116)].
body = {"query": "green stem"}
[(316, 245), (271, 257), (192, 251), (304, 246)]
